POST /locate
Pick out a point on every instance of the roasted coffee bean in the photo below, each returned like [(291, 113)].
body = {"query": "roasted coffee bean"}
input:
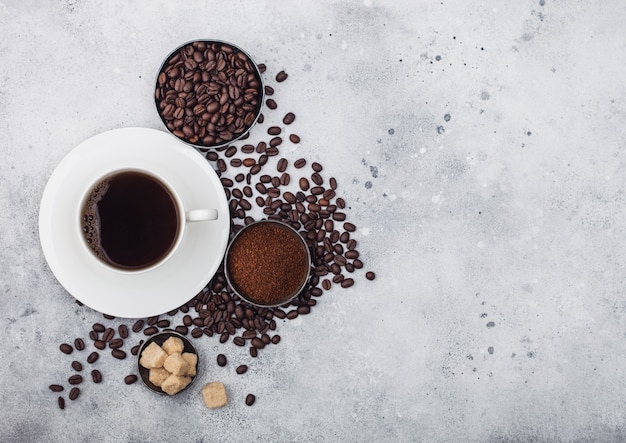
[(98, 327), (241, 369), (257, 343), (326, 284), (253, 352), (163, 324), (100, 344), (93, 357), (370, 275), (275, 339), (56, 388), (96, 376), (119, 354), (294, 138), (138, 325), (61, 402), (282, 165), (275, 141), (116, 343), (304, 184), (150, 330), (281, 76), (130, 379), (109, 333), (239, 341), (74, 393), (352, 254), (182, 330), (66, 348), (292, 314), (77, 366), (349, 227), (196, 332), (289, 118), (79, 344), (75, 379), (346, 283), (269, 90), (122, 330), (250, 399), (271, 103), (135, 350), (93, 335), (221, 360), (273, 130)]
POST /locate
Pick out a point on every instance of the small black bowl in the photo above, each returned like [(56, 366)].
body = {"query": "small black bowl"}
[(209, 93), (159, 339)]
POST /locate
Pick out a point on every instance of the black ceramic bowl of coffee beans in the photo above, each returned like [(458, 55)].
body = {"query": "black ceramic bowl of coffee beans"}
[(209, 93), (179, 348), (267, 263)]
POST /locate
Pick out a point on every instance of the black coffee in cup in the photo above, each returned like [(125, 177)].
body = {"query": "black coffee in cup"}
[(130, 220)]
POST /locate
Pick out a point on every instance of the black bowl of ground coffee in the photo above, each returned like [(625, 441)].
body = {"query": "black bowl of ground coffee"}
[(267, 263), (209, 93)]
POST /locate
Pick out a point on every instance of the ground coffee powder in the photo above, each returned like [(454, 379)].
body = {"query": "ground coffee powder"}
[(268, 263)]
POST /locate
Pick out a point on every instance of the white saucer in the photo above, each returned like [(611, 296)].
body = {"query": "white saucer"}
[(151, 292)]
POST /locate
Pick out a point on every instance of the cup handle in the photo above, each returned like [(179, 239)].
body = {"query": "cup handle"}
[(201, 215)]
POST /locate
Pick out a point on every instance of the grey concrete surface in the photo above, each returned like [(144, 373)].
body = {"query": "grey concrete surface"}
[(480, 146)]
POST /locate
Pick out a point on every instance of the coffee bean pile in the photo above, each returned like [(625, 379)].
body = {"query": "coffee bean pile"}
[(208, 93), (259, 184)]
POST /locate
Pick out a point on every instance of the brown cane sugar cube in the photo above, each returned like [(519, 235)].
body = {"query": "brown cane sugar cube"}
[(214, 395), (174, 384), (176, 364), (173, 345), (153, 356), (192, 361), (157, 376)]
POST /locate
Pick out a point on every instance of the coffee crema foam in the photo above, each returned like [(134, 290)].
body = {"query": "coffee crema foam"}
[(91, 221)]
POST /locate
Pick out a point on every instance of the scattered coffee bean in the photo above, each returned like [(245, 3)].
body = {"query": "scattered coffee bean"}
[(151, 330), (108, 334), (98, 327), (271, 103), (79, 344), (122, 330), (75, 379), (346, 283), (130, 379), (294, 138), (370, 275), (61, 402), (77, 366), (93, 357), (100, 344), (135, 349), (221, 360), (116, 343), (56, 388), (241, 369), (66, 348), (250, 399), (96, 376), (289, 118), (273, 130), (281, 76), (74, 393), (138, 325), (119, 354)]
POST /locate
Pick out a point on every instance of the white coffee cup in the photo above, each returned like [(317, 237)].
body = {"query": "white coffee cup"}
[(132, 220)]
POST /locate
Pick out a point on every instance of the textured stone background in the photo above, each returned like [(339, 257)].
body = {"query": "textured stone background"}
[(481, 148)]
